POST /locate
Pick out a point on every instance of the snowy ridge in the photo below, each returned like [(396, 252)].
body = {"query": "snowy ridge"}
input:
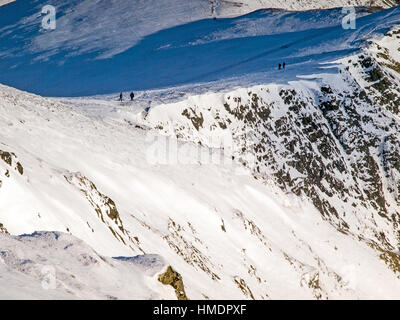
[(245, 239), (125, 45), (304, 205)]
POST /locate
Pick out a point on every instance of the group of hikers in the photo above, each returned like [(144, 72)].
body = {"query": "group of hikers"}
[(121, 96), (132, 95)]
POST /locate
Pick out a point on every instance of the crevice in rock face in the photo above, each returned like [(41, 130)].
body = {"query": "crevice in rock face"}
[(172, 278)]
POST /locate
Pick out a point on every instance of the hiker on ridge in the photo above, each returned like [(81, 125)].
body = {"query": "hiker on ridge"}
[(120, 96), (279, 67), (132, 96)]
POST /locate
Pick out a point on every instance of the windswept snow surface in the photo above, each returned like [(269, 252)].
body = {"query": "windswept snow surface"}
[(228, 234), (124, 45), (54, 265), (157, 189)]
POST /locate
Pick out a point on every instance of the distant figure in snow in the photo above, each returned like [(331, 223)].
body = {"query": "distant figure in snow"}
[(147, 109), (284, 64), (120, 96), (279, 67), (132, 96)]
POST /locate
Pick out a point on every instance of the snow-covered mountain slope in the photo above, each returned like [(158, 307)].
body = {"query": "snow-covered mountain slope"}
[(332, 137), (124, 45), (229, 235), (260, 185), (52, 265)]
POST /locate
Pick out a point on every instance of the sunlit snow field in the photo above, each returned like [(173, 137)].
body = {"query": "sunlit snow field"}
[(108, 49)]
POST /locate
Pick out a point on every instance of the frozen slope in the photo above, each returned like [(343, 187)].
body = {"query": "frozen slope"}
[(53, 265), (307, 207), (228, 234), (124, 45)]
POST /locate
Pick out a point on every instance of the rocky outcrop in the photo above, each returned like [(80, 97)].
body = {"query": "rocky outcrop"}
[(104, 207), (12, 161), (3, 229), (172, 278)]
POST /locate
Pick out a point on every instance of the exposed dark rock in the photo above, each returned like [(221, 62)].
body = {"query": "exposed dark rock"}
[(173, 279)]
